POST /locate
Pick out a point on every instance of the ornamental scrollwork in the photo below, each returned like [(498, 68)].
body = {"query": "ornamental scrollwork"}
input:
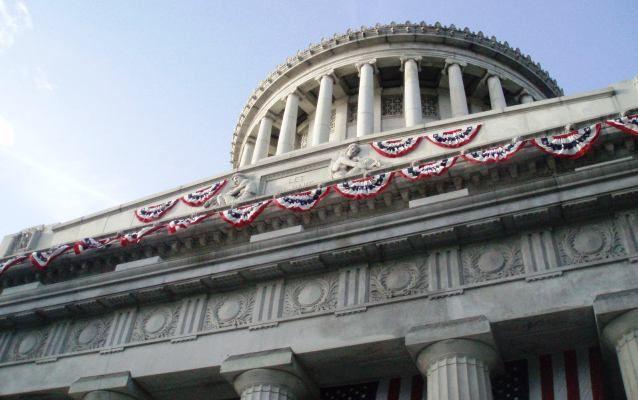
[(398, 278), (310, 295), (88, 334), (229, 310), (492, 261), (28, 345), (156, 322), (587, 243)]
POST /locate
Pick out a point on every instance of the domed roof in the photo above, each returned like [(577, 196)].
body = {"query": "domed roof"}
[(437, 33)]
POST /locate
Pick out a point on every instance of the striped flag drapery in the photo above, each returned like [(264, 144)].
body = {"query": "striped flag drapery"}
[(570, 375)]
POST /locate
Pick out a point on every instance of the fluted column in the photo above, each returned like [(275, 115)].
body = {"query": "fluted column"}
[(269, 384), (247, 153), (411, 91), (263, 138), (621, 334), (458, 369), (526, 98), (288, 131), (365, 105), (497, 97), (458, 101), (321, 129), (106, 395)]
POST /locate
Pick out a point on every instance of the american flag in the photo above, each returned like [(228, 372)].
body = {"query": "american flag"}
[(570, 375)]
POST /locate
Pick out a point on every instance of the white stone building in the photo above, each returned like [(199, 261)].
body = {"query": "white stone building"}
[(471, 233)]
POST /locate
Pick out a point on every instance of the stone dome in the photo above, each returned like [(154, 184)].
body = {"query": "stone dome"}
[(433, 48)]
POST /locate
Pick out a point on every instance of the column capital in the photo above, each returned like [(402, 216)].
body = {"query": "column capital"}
[(416, 59), (372, 62), (329, 73), (273, 367), (453, 61), (270, 115), (619, 327), (454, 348), (121, 383), (295, 92)]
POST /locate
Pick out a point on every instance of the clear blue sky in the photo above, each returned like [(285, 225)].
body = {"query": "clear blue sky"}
[(102, 102)]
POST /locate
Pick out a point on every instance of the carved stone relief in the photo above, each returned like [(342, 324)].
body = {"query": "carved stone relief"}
[(229, 309), (242, 189), (491, 261), (88, 334), (28, 344), (156, 322), (310, 294), (589, 243), (348, 163), (398, 278)]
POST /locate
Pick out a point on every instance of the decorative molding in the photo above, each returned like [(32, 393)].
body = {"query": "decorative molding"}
[(310, 295), (398, 278), (88, 334), (156, 322), (486, 262), (28, 344), (590, 242), (232, 309)]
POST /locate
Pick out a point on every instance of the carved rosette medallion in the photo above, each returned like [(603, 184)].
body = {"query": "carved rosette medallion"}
[(230, 309), (28, 345), (489, 262), (589, 243), (397, 278), (310, 295), (156, 322), (88, 334)]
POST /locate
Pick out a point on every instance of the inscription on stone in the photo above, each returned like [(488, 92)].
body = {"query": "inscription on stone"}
[(295, 179)]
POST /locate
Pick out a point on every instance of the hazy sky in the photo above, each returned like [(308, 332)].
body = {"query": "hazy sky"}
[(102, 102)]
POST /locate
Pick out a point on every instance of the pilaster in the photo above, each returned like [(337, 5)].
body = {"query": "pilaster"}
[(268, 303), (539, 252), (354, 283), (444, 269)]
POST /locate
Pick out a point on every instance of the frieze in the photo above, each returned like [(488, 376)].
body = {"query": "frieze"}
[(295, 178), (398, 278), (310, 295), (88, 334), (229, 310), (156, 322), (28, 345), (587, 243), (487, 262)]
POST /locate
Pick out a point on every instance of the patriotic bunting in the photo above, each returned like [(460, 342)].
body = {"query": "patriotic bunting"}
[(495, 154), (42, 259), (136, 237), (181, 224), (199, 197), (396, 147), (569, 145), (302, 201), (242, 216), (92, 244), (455, 138), (628, 124), (434, 168), (152, 213), (364, 188), (5, 265)]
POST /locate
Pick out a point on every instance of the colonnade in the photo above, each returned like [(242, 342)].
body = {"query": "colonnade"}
[(257, 149)]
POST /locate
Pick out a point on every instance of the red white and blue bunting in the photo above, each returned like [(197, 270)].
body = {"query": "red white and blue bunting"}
[(454, 138), (495, 154), (242, 216), (181, 224), (5, 265), (396, 147), (199, 197), (155, 212), (92, 244), (628, 124), (364, 188), (427, 170), (136, 237), (569, 145), (302, 201), (42, 259)]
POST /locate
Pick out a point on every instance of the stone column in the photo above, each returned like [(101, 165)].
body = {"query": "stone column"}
[(106, 395), (272, 375), (411, 91), (526, 98), (458, 101), (116, 386), (288, 131), (458, 369), (263, 138), (271, 384), (247, 153), (497, 98), (321, 128), (365, 106), (621, 334)]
